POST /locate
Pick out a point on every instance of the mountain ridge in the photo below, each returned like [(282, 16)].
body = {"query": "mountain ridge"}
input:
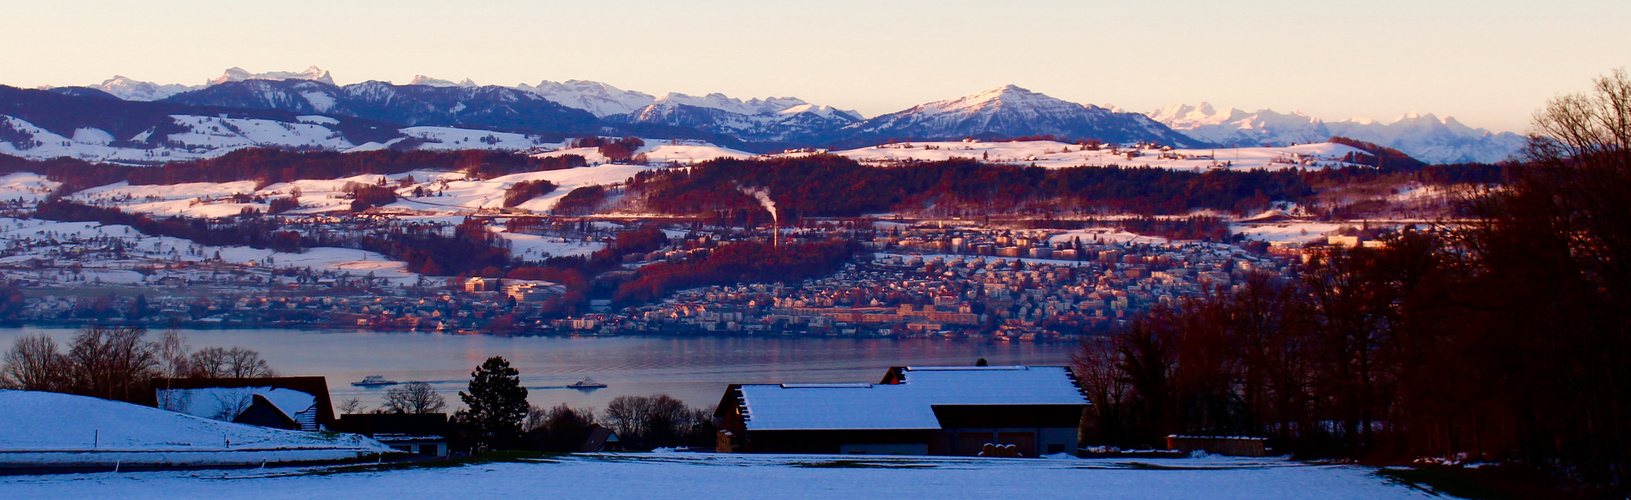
[(1425, 137)]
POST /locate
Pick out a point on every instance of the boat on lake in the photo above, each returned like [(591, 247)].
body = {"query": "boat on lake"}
[(374, 381), (586, 383)]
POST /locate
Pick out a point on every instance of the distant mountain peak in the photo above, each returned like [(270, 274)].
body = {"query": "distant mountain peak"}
[(131, 89), (236, 74), (438, 82), (1013, 111)]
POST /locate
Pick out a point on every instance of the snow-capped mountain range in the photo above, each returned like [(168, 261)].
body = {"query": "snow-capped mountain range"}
[(576, 107), (1012, 111), (1424, 137)]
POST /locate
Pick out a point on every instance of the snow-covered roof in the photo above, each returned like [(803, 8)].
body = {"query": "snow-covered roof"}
[(225, 403), (908, 404)]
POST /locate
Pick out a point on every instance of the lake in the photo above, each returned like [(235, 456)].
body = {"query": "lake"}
[(693, 369)]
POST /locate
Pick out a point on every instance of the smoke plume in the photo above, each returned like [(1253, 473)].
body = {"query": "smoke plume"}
[(763, 195)]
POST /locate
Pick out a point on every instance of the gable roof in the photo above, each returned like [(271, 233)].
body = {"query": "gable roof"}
[(905, 399), (316, 387)]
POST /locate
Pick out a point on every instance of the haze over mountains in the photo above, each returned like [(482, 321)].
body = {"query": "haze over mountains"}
[(380, 112), (1425, 137)]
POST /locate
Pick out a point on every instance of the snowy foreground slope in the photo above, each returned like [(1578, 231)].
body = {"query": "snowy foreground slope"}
[(49, 429), (753, 476)]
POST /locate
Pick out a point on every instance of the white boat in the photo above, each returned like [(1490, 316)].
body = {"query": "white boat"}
[(373, 381), (586, 383)]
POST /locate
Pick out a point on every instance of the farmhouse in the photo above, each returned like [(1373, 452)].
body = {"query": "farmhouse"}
[(932, 410), (295, 403)]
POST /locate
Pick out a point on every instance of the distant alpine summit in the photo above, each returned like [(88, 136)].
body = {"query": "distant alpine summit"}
[(1424, 137), (1011, 111)]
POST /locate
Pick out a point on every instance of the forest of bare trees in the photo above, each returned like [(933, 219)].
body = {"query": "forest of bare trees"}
[(1503, 339), (117, 362)]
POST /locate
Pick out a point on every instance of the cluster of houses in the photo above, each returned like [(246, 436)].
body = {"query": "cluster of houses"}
[(1024, 411), (900, 294)]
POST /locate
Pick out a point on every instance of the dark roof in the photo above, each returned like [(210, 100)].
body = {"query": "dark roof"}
[(316, 386), (598, 437), (395, 423)]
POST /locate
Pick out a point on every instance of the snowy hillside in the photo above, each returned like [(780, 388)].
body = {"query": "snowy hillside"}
[(452, 192), (113, 253), (191, 137), (661, 151), (1052, 154), (1011, 111), (1424, 137), (33, 432)]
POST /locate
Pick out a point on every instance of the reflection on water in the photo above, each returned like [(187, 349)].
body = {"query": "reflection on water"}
[(693, 369)]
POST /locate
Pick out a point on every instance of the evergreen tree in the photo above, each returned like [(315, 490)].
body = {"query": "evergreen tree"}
[(497, 403)]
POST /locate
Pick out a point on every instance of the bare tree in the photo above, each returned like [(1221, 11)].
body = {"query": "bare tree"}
[(414, 398), (111, 362), (33, 364), (236, 362), (172, 353), (352, 406)]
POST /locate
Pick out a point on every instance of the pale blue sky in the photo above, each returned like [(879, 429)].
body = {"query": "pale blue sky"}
[(1489, 63)]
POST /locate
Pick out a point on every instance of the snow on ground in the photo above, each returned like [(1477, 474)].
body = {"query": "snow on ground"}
[(1106, 235), (453, 139), (533, 247), (33, 239), (677, 475), (1286, 232), (659, 151), (203, 137), (26, 186), (457, 193), (453, 192), (50, 429), (1052, 154)]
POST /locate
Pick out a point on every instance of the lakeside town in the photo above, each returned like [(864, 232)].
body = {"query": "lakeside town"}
[(914, 279)]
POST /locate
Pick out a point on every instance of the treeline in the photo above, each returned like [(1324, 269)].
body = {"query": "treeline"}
[(1502, 340), (117, 362), (270, 166), (615, 150), (524, 191), (827, 185), (740, 262), (641, 423)]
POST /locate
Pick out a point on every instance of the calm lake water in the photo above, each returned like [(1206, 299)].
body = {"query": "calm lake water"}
[(693, 369)]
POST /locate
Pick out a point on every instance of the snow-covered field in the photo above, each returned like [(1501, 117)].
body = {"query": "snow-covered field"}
[(56, 245), (1059, 155), (1286, 232), (451, 192), (1106, 235), (27, 187), (660, 151), (49, 429), (678, 475)]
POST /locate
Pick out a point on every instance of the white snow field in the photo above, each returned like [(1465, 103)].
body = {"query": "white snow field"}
[(677, 475), (453, 192), (43, 429), (25, 240), (1052, 154)]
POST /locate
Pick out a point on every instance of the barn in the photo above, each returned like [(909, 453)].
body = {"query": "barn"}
[(923, 410)]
